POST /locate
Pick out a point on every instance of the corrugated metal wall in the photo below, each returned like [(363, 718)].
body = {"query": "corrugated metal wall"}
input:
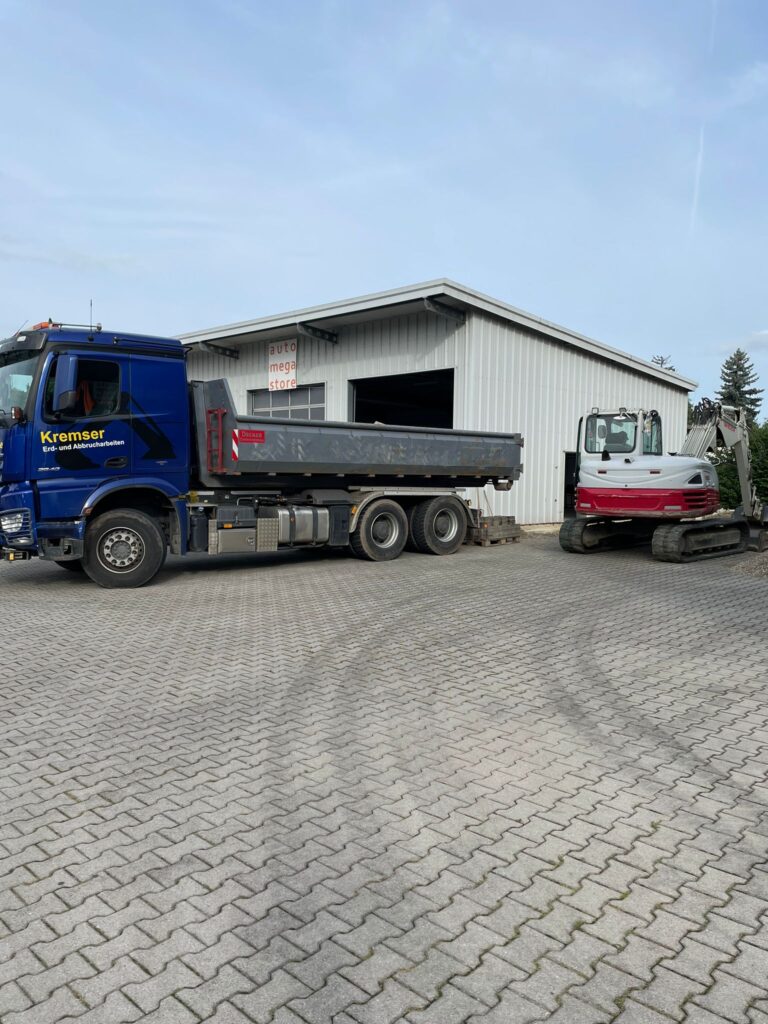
[(507, 379), (403, 344), (514, 379)]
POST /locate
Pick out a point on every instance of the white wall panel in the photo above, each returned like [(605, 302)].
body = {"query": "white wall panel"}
[(516, 380)]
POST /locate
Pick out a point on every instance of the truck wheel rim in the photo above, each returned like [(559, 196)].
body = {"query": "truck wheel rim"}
[(446, 525), (385, 530), (121, 550)]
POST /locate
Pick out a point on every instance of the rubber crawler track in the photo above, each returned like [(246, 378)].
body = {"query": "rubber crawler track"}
[(668, 544)]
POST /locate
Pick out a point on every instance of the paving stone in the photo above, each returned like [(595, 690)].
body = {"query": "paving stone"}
[(203, 999), (668, 993), (451, 1007), (170, 1011), (336, 995), (573, 1011), (392, 1004), (60, 1005), (547, 983), (511, 1007), (314, 970), (115, 1009), (730, 996), (371, 973), (226, 1013), (261, 1003), (149, 993)]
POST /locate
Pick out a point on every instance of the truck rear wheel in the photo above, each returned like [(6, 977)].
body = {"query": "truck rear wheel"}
[(124, 548), (381, 532), (439, 526)]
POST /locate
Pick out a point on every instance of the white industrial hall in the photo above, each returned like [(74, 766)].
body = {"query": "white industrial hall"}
[(440, 354)]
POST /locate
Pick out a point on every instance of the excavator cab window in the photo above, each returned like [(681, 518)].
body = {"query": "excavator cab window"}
[(610, 432), (652, 444)]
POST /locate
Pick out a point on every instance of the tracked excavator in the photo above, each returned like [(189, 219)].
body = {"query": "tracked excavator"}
[(630, 492)]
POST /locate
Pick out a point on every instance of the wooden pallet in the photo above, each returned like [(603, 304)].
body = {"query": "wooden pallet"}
[(490, 530)]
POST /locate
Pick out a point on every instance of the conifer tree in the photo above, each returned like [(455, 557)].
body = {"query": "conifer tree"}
[(737, 387)]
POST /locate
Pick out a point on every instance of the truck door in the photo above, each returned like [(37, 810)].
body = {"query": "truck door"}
[(159, 404), (90, 443)]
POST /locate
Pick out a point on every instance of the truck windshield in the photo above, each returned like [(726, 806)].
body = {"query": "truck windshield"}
[(17, 370)]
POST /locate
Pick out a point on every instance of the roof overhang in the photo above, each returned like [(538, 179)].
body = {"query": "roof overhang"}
[(441, 297)]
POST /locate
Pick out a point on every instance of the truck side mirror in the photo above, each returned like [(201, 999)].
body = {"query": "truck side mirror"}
[(65, 384)]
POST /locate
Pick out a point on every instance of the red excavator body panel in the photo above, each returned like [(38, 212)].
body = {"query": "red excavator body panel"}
[(647, 502)]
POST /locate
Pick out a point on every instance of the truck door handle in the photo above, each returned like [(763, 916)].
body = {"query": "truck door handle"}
[(119, 462)]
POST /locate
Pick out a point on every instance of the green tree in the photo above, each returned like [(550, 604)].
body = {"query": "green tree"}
[(738, 379)]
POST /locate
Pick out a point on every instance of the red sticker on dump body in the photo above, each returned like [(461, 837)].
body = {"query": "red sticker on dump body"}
[(251, 436)]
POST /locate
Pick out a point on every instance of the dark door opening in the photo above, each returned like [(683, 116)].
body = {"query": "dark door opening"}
[(571, 479), (407, 399)]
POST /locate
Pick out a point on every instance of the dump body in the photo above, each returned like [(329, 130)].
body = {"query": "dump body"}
[(296, 454)]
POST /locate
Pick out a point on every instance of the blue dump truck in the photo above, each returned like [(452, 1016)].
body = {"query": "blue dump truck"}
[(110, 458)]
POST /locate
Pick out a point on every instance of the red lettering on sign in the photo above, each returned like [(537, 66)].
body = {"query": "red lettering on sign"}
[(251, 437)]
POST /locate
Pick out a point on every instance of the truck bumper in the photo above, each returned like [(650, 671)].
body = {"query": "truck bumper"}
[(23, 536)]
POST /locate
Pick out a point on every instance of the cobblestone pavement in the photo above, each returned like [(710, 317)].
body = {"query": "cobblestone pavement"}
[(509, 786)]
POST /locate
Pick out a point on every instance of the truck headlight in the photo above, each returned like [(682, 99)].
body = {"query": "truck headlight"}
[(13, 522)]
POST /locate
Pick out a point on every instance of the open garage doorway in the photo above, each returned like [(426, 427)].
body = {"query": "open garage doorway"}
[(407, 399)]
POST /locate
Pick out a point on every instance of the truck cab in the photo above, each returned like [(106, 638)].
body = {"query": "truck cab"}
[(78, 427)]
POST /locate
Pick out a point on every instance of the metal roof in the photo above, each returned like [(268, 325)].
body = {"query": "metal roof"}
[(332, 316)]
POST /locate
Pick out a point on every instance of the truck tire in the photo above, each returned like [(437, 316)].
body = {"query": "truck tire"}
[(410, 544), (124, 548), (71, 564), (381, 532), (439, 526)]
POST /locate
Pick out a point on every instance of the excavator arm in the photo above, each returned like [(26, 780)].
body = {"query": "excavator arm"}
[(724, 426)]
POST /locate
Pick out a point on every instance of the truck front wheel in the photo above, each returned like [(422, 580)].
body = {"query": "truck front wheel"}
[(381, 532), (124, 548)]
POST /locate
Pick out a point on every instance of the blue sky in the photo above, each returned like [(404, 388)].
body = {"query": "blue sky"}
[(185, 163)]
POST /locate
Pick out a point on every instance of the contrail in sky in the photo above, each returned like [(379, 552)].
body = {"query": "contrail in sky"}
[(713, 5), (697, 183), (713, 10)]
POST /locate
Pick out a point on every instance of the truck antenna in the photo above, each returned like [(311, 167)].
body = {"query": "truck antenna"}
[(90, 321)]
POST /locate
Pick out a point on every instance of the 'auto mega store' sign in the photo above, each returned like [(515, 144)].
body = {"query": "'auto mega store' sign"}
[(282, 361)]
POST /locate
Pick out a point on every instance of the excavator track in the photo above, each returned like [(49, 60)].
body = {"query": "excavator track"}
[(692, 542), (585, 535), (575, 536)]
